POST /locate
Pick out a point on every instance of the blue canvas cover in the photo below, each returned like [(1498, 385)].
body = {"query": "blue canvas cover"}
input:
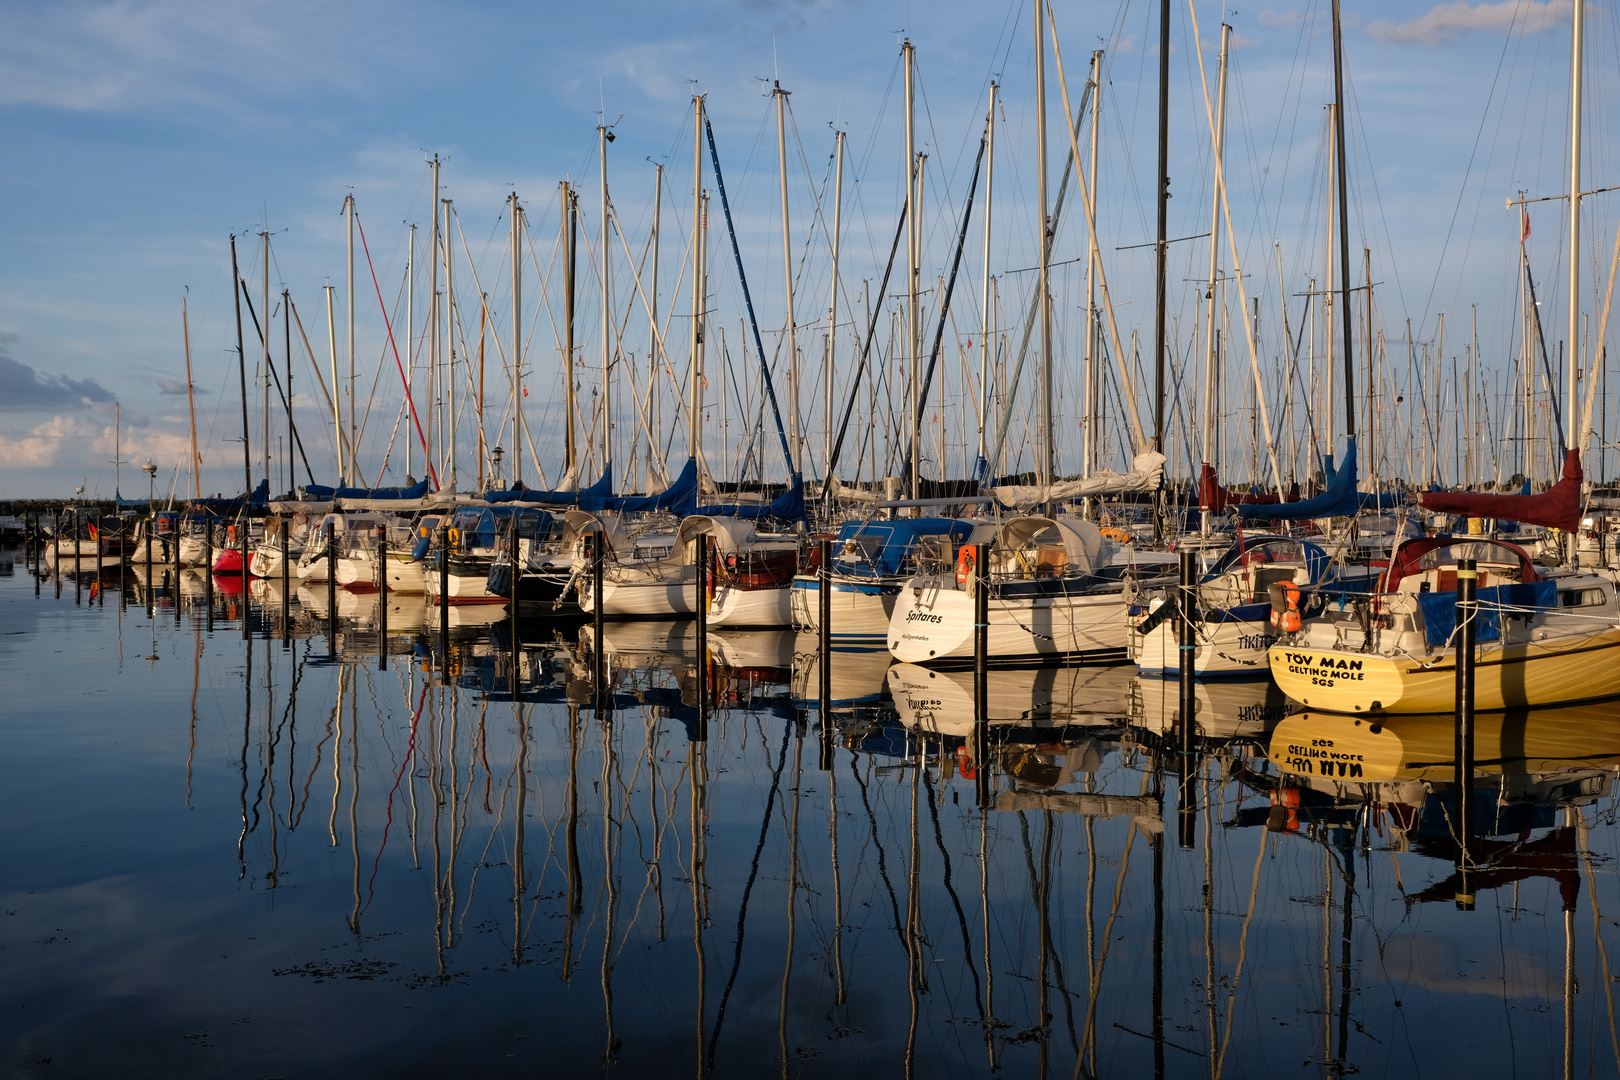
[(1440, 609), (417, 490), (1339, 500), (602, 487), (896, 539)]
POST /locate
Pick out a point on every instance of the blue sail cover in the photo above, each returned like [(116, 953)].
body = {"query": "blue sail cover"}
[(258, 498), (418, 490), (1339, 500), (896, 540), (681, 490), (789, 506), (602, 487)]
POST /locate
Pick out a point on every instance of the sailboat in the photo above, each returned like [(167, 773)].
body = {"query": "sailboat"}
[(1541, 641)]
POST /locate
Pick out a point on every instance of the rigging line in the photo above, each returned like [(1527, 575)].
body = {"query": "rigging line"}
[(389, 326), (731, 230), (281, 393)]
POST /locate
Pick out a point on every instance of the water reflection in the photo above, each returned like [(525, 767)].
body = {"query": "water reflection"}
[(641, 855)]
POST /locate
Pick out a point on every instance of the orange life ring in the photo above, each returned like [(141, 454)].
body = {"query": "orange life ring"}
[(964, 564)]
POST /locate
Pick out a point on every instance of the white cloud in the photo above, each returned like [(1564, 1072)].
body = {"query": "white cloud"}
[(1444, 23), (1282, 19)]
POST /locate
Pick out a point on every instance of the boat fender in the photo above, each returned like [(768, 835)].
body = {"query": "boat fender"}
[(423, 542), (1284, 606), (964, 564)]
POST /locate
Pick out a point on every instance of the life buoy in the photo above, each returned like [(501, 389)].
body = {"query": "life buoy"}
[(453, 537), (1285, 616), (230, 534), (965, 763), (964, 564), (1117, 535)]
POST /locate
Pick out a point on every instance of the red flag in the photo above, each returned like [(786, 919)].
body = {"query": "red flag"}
[(1525, 233)]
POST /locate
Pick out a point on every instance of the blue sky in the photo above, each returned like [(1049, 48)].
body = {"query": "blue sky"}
[(140, 135)]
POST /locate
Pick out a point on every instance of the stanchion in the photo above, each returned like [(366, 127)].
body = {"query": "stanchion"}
[(824, 615), (980, 581), (1187, 648), (382, 599), (1463, 746), (512, 598), (78, 556), (286, 589)]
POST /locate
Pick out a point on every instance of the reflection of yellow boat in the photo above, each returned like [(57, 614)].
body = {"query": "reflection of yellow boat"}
[(942, 701), (1224, 710), (1378, 749)]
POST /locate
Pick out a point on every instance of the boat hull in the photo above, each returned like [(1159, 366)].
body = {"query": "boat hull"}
[(1535, 673), (861, 610), (732, 606), (933, 623), (1231, 649)]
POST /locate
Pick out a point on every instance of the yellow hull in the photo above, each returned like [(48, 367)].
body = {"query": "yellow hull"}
[(1533, 674)]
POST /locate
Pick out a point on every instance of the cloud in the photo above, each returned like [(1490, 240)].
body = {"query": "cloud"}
[(21, 387), (176, 387), (1444, 23)]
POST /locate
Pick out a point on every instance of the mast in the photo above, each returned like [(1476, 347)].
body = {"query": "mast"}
[(241, 368), (654, 342), (286, 352), (695, 413), (1091, 442), (348, 210), (191, 403), (449, 351), (983, 467), (337, 400), (517, 342), (832, 316), (602, 137), (264, 342), (1162, 251), (1046, 459), (787, 276), (913, 257), (1219, 136), (1573, 350), (410, 330), (436, 413), (1344, 226), (569, 220)]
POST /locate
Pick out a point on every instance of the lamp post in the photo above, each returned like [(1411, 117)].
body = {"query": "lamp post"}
[(151, 483), (495, 456)]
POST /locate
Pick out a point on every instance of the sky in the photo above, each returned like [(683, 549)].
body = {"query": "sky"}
[(142, 135)]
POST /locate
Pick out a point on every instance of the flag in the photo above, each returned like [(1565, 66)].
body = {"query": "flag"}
[(1524, 233)]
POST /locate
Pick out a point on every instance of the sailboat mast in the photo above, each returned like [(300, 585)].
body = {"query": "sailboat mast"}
[(191, 402), (348, 211), (570, 451), (1090, 449), (982, 469), (1346, 314), (832, 316), (436, 413), (602, 134), (337, 400), (654, 342), (1161, 251), (1572, 350), (695, 414), (913, 258), (410, 329), (1215, 255), (517, 342), (787, 278), (264, 342), (449, 350), (1047, 459), (241, 367)]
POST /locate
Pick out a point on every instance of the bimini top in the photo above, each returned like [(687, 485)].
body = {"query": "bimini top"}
[(1082, 541), (880, 548), (729, 533), (1417, 556)]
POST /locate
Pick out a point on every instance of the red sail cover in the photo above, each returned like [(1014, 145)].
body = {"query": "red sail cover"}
[(1559, 507), (1215, 499)]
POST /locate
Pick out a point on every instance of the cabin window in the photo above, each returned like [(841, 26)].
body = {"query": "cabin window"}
[(1581, 597)]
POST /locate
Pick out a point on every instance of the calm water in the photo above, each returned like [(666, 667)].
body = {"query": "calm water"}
[(283, 855)]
